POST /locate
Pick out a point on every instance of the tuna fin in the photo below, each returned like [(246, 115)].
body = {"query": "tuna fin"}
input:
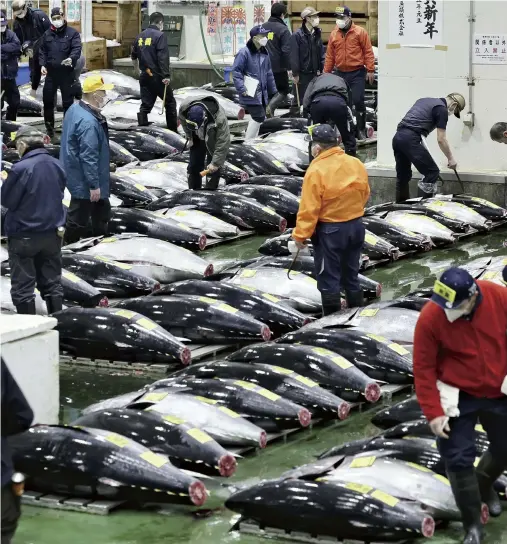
[(110, 482), (181, 339), (197, 475), (235, 527)]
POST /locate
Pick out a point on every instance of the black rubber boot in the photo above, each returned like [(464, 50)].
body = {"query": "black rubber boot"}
[(27, 308), (331, 303), (54, 304), (465, 489), (50, 130), (142, 119), (402, 191), (355, 299), (361, 125), (488, 470)]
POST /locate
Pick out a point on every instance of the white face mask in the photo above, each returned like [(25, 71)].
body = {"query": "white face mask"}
[(463, 309), (315, 22), (342, 23), (21, 15), (101, 101), (3, 29), (263, 41), (58, 23)]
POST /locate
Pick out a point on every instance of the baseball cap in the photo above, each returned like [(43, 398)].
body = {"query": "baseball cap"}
[(459, 99), (195, 116), (26, 132), (3, 18), (56, 11), (259, 29), (309, 12), (96, 83), (342, 11), (325, 134), (454, 287)]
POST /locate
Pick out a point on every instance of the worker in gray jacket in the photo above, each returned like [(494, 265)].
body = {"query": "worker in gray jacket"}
[(207, 131)]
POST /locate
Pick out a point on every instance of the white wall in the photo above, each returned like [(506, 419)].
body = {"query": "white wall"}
[(406, 74)]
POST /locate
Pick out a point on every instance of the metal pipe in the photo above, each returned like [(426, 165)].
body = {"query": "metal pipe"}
[(471, 78)]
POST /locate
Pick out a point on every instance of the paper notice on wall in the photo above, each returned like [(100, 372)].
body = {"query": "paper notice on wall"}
[(490, 49), (73, 8), (416, 22), (212, 20)]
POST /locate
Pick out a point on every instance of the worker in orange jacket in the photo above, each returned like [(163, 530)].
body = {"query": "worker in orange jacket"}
[(335, 192), (350, 55)]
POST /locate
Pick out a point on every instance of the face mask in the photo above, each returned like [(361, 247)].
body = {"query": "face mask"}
[(315, 22), (3, 29), (342, 23), (101, 101), (463, 309), (263, 42), (58, 23), (21, 15)]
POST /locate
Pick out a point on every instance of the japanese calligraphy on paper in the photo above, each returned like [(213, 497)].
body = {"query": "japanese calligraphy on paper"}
[(490, 49), (212, 21), (416, 22)]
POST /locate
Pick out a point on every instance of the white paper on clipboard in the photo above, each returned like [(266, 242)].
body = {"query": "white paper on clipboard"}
[(251, 85)]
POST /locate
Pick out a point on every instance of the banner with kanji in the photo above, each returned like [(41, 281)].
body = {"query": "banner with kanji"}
[(212, 20), (239, 27), (262, 11), (416, 22)]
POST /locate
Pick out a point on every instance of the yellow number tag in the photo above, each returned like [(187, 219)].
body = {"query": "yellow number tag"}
[(306, 381), (155, 397), (341, 362), (323, 351), (199, 435), (479, 428), (360, 488), (363, 462), (228, 412), (485, 202), (154, 459), (13, 135), (268, 394), (174, 420), (206, 400), (282, 370), (398, 349), (491, 275), (245, 385), (384, 497), (117, 440), (146, 323), (368, 312), (248, 273), (418, 467), (226, 308), (267, 209), (248, 288), (278, 163), (371, 239), (209, 300), (378, 338), (442, 479), (125, 313), (70, 276), (140, 187), (147, 41), (270, 297), (109, 240)]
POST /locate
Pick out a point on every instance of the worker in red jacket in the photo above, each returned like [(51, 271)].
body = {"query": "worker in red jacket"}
[(460, 370)]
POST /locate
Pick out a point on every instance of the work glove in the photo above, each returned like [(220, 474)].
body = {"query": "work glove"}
[(43, 71), (67, 62), (212, 168), (166, 81)]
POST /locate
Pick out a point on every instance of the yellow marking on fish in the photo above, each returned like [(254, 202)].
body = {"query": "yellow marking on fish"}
[(282, 370), (363, 462), (398, 349), (248, 288), (479, 428), (485, 202), (360, 488), (160, 165), (341, 362), (160, 141), (199, 435), (140, 187), (184, 227), (306, 381), (277, 163), (228, 411), (70, 276), (125, 313), (109, 240), (181, 213), (323, 351), (442, 479), (268, 394), (206, 400), (125, 152), (384, 497), (118, 264), (491, 275), (228, 309), (146, 323), (154, 397), (418, 467), (270, 297), (269, 210), (118, 102), (235, 168), (208, 300), (154, 459), (245, 385), (371, 239), (117, 440), (378, 338), (174, 420), (368, 312), (248, 273)]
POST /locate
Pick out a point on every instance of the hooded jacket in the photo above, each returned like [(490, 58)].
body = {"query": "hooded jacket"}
[(278, 44), (254, 63), (217, 138), (11, 51), (325, 85), (30, 29), (306, 51), (59, 44)]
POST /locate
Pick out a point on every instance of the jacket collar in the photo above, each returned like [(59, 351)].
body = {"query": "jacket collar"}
[(328, 153), (316, 31), (100, 118), (154, 27), (274, 19), (34, 153), (253, 50)]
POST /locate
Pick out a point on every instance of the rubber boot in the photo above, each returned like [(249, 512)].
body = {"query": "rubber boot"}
[(402, 191), (423, 194), (465, 489), (142, 119), (54, 304), (50, 130), (252, 130), (11, 114), (27, 308), (488, 470), (274, 103), (355, 299), (361, 125), (331, 303)]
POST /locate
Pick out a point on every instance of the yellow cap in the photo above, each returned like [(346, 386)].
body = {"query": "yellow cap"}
[(96, 83)]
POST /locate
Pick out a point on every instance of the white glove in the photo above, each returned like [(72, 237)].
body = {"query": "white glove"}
[(67, 62), (449, 399)]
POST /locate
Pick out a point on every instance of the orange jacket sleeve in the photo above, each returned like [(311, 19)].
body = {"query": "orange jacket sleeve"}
[(369, 57), (309, 207), (329, 62)]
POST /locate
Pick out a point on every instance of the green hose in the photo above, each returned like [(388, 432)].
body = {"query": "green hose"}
[(218, 71)]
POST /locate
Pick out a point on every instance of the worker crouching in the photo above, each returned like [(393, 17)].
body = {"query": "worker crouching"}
[(335, 192)]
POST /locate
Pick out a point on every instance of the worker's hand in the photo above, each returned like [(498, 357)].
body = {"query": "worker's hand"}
[(43, 71), (296, 79), (67, 62), (245, 93), (29, 53), (166, 81), (289, 73), (211, 168), (25, 46), (452, 164), (440, 426), (318, 72), (94, 195), (300, 245), (370, 77)]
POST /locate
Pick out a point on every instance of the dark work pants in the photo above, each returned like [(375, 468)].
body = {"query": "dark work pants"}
[(336, 252), (35, 259), (458, 451), (334, 108), (409, 149), (34, 67), (257, 112), (151, 87), (63, 80), (81, 213), (304, 81), (282, 82), (11, 511), (356, 80), (11, 96), (199, 157)]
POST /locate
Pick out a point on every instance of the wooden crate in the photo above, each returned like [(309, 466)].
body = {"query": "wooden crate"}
[(357, 7), (95, 53), (114, 21), (296, 6), (372, 29)]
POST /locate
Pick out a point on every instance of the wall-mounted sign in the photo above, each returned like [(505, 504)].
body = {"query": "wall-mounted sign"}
[(416, 22), (490, 49)]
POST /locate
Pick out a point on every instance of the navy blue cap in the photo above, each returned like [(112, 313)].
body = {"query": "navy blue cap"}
[(57, 11), (454, 287), (3, 18), (325, 134), (195, 115), (259, 29), (342, 11)]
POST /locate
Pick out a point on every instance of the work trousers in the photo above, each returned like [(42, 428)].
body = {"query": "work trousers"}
[(63, 80), (409, 149), (304, 81), (34, 67), (11, 511), (334, 109), (356, 80), (337, 249), (258, 112), (10, 94), (458, 451), (199, 157), (85, 218), (282, 82), (151, 88), (35, 259)]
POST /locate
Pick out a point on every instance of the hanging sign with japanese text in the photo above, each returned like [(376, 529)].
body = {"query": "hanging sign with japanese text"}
[(416, 22), (490, 49)]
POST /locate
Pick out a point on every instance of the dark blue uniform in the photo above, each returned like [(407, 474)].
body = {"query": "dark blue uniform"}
[(279, 52), (29, 31), (11, 51), (426, 115), (58, 44), (152, 51), (32, 194), (17, 416)]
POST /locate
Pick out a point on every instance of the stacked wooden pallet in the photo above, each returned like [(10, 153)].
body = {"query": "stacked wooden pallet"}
[(364, 13)]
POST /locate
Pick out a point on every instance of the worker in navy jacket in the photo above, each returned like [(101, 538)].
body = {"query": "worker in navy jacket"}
[(11, 51)]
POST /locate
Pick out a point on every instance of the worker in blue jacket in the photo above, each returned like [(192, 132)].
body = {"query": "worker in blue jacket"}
[(84, 154), (17, 416), (11, 51), (60, 51), (253, 61), (29, 26), (33, 194)]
